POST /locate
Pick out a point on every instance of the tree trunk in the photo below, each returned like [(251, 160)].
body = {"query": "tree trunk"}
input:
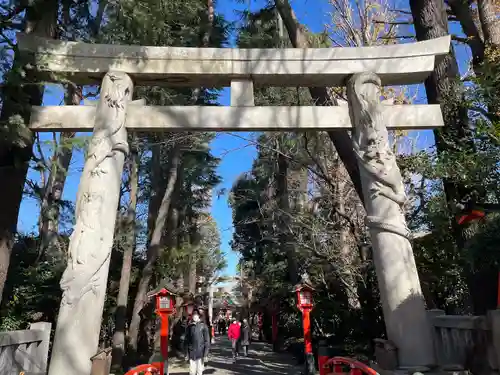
[(182, 240), (172, 235), (347, 256), (171, 239), (192, 272), (194, 239), (340, 138), (154, 245), (285, 235), (489, 22), (443, 87), (462, 10), (53, 191), (15, 148), (129, 229)]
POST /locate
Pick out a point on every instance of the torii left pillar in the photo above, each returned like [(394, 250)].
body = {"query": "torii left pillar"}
[(85, 278)]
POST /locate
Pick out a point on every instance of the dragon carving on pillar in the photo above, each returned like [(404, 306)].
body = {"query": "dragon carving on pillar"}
[(380, 175), (91, 240)]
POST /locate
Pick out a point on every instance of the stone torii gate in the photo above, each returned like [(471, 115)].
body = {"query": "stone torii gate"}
[(117, 68)]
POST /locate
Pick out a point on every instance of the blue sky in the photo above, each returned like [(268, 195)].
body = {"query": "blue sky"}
[(237, 155)]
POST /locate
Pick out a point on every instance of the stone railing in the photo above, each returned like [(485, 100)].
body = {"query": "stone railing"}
[(463, 342), (25, 351)]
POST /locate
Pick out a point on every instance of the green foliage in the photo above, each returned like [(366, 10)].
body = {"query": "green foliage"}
[(32, 287)]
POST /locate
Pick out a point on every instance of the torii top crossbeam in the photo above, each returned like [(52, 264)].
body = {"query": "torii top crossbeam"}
[(84, 63), (216, 67)]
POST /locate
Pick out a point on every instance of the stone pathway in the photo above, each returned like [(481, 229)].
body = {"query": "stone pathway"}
[(261, 360)]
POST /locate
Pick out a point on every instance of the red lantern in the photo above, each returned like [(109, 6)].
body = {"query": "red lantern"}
[(165, 305), (165, 301), (305, 304), (304, 296)]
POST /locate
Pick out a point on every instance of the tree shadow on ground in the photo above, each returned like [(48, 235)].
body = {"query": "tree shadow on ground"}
[(246, 369), (260, 360)]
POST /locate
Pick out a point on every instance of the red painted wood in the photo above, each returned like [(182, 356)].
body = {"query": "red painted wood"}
[(274, 322), (306, 324), (147, 369), (356, 367), (164, 336)]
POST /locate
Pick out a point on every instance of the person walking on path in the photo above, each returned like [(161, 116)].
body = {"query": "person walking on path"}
[(197, 344), (234, 333), (222, 327), (245, 337)]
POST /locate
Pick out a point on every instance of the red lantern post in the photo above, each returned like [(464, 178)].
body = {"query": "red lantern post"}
[(165, 306), (304, 292)]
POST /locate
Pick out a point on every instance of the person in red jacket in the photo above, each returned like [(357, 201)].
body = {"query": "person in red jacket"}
[(234, 335)]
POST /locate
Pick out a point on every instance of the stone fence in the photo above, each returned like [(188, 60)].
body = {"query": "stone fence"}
[(25, 351), (467, 342)]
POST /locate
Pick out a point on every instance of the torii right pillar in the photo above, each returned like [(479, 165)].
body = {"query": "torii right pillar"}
[(403, 303)]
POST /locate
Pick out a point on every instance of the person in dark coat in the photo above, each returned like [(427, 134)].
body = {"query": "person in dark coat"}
[(197, 344), (245, 337), (222, 327), (179, 335)]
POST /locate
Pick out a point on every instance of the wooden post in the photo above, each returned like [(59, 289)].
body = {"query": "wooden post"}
[(101, 362), (85, 278)]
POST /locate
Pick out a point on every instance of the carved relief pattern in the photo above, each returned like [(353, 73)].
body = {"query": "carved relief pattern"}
[(91, 240), (377, 162)]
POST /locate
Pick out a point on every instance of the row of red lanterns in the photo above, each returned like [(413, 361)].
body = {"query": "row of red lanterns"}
[(165, 306)]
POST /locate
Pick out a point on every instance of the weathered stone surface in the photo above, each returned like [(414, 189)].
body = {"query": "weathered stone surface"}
[(216, 67), (152, 118), (242, 93), (26, 350), (494, 321), (384, 194), (85, 278)]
